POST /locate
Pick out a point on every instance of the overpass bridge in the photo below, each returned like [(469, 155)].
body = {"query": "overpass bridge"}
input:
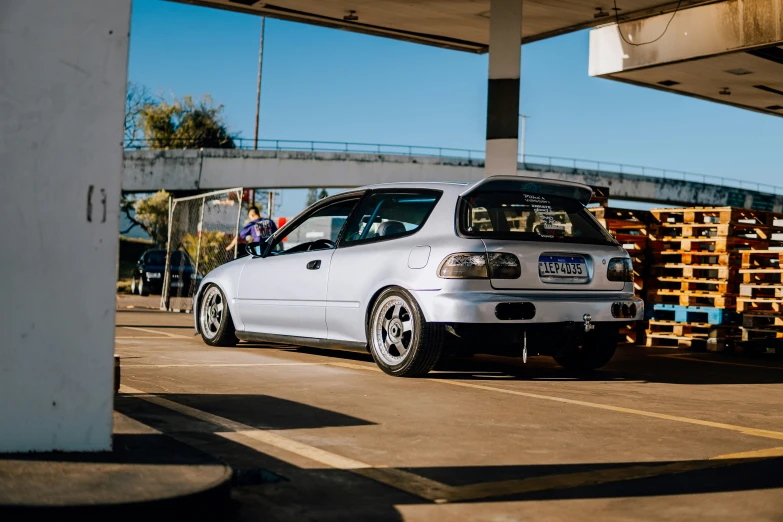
[(305, 164)]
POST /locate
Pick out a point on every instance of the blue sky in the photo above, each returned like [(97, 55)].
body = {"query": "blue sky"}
[(325, 84)]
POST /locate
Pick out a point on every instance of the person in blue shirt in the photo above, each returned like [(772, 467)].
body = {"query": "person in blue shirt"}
[(256, 230)]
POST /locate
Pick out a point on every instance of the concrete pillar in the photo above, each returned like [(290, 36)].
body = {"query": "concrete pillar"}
[(505, 48), (63, 70)]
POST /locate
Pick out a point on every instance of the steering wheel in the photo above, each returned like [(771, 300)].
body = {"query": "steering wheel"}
[(319, 244)]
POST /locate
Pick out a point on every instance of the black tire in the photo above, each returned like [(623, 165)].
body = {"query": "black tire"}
[(143, 290), (134, 290), (216, 327), (422, 343), (596, 349)]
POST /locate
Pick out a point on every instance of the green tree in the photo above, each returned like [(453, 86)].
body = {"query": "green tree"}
[(313, 195), (212, 251), (150, 213), (137, 97), (184, 123)]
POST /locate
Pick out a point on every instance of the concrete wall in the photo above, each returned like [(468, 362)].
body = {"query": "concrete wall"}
[(148, 170), (63, 68)]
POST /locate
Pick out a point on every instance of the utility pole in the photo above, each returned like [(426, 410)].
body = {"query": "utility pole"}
[(522, 137), (258, 97)]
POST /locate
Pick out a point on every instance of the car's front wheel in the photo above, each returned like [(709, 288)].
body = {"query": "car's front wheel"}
[(215, 323), (134, 286), (594, 351), (402, 343), (143, 289)]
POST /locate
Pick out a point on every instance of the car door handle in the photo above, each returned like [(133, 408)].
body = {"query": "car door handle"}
[(314, 265)]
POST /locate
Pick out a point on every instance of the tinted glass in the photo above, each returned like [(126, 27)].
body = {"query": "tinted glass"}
[(158, 258), (386, 215), (532, 217), (318, 231)]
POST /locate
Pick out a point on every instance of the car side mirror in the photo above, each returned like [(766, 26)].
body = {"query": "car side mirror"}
[(255, 249)]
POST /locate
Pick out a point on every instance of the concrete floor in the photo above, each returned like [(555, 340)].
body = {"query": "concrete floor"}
[(323, 435)]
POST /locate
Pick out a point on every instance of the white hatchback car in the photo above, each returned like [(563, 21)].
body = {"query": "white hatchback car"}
[(408, 271)]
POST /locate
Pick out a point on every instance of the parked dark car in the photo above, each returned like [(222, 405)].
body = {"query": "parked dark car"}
[(151, 268)]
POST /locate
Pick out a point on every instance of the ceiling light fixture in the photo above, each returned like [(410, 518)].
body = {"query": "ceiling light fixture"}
[(775, 107), (601, 13), (351, 17), (668, 83), (739, 72), (725, 91)]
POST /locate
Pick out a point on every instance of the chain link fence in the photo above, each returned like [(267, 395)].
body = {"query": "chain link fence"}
[(201, 228)]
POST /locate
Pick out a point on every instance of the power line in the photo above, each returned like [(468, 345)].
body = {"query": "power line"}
[(617, 19)]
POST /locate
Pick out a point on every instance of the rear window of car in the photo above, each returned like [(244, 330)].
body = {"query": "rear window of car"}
[(529, 217), (159, 258)]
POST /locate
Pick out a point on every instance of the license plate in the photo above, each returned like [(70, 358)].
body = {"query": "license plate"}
[(176, 284), (562, 269)]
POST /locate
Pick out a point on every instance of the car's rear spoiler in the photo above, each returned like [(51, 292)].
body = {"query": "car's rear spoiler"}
[(545, 187)]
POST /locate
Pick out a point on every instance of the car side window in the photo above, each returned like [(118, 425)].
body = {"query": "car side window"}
[(318, 231), (386, 215)]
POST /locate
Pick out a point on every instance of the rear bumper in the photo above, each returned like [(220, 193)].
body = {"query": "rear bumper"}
[(481, 307)]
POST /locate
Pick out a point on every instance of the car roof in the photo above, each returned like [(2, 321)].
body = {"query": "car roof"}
[(458, 188)]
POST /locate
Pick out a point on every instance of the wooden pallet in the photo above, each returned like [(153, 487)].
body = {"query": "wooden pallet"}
[(690, 335), (765, 291), (694, 298), (689, 284), (762, 259), (631, 242), (633, 333), (724, 273), (713, 244), (762, 275), (699, 257), (715, 215), (739, 230), (759, 334), (758, 304), (763, 321), (623, 215)]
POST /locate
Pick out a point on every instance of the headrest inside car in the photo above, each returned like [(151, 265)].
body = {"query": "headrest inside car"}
[(390, 228)]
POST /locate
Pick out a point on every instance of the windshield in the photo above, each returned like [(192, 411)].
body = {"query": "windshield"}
[(529, 217), (158, 258)]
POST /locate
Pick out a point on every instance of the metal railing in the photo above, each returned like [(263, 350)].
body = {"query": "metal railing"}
[(532, 161)]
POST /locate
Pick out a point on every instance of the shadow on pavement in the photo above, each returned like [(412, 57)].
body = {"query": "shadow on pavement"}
[(630, 363), (322, 493)]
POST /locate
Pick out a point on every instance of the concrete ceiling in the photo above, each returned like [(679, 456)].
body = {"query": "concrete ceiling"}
[(454, 24), (751, 80)]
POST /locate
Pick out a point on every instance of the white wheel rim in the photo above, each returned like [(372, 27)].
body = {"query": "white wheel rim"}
[(393, 330), (211, 314)]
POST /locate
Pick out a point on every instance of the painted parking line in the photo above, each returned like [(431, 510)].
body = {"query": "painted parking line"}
[(220, 365), (708, 361), (158, 332), (432, 490), (770, 434), (251, 437)]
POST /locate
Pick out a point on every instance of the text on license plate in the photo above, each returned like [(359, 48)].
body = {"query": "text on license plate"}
[(562, 266)]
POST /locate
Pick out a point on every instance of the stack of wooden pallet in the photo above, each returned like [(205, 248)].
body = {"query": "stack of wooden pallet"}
[(630, 228), (699, 256), (761, 296)]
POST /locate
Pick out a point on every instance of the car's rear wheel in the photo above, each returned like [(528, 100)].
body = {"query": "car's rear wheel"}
[(402, 343), (215, 323), (134, 286), (594, 351)]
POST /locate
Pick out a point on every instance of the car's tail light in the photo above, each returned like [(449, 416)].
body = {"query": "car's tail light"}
[(504, 266), (464, 266), (476, 266), (620, 269)]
